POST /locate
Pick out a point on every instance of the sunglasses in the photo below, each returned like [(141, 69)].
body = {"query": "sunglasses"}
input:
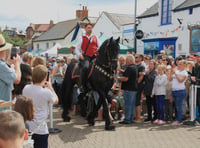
[(136, 57), (164, 59)]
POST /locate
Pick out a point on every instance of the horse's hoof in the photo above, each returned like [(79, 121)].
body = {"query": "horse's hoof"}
[(67, 119), (91, 123), (110, 128), (83, 114)]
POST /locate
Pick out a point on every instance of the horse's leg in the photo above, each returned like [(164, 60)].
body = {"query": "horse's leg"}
[(82, 102), (67, 101), (92, 115), (108, 125)]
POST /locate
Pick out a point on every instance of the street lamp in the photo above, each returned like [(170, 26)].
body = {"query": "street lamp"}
[(135, 28)]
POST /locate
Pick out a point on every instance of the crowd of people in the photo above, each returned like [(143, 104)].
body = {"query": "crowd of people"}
[(30, 83), (163, 86)]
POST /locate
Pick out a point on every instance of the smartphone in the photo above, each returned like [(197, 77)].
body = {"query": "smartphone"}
[(48, 75), (13, 52)]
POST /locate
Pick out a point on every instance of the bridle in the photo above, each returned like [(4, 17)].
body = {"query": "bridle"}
[(101, 67)]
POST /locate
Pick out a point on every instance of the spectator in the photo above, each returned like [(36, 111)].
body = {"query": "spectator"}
[(26, 78), (130, 51), (146, 62), (8, 75), (38, 61), (129, 85), (27, 58), (122, 65), (119, 105), (140, 80), (150, 101), (58, 75), (159, 90), (24, 106), (12, 130), (168, 97), (178, 77), (42, 96), (196, 78)]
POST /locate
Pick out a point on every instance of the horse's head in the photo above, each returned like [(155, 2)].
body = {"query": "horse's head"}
[(108, 53)]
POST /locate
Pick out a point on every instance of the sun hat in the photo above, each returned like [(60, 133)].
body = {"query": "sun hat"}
[(3, 44)]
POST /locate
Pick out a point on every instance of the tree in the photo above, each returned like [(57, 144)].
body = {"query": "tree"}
[(14, 41)]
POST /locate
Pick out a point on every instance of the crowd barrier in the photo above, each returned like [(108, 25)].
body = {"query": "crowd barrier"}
[(52, 130), (193, 101)]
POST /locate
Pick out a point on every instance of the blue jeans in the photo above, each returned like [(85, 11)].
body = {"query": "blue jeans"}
[(129, 100), (178, 97), (160, 99)]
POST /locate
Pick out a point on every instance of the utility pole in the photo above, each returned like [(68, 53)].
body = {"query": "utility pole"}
[(135, 28)]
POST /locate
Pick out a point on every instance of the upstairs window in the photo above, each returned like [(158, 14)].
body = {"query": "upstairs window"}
[(38, 46), (47, 45), (166, 12), (190, 11)]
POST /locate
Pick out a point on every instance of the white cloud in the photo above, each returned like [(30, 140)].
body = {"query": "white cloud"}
[(21, 13)]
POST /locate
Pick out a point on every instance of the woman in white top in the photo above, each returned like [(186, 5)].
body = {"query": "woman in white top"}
[(178, 77)]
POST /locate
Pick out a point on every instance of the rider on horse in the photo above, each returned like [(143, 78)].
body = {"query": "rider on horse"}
[(86, 50)]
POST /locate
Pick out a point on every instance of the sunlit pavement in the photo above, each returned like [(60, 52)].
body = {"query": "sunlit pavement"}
[(77, 134)]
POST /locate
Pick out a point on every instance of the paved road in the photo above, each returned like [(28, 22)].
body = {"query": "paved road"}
[(77, 134)]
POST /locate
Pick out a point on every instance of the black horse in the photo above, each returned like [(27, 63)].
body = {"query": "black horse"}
[(100, 78)]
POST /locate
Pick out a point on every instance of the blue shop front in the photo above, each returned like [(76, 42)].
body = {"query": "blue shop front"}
[(154, 46)]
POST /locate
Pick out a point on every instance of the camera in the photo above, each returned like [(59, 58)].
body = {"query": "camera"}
[(13, 52)]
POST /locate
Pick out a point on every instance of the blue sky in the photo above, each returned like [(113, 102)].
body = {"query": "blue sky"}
[(20, 13)]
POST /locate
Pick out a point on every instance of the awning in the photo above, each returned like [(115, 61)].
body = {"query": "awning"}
[(65, 50)]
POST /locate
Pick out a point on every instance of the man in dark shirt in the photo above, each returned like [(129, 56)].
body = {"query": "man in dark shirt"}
[(129, 85), (140, 81), (195, 77)]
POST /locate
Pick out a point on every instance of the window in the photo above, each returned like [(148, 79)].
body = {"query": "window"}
[(166, 12), (54, 43), (47, 45), (190, 11), (38, 46), (195, 31)]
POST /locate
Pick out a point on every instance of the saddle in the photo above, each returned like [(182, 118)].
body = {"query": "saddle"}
[(76, 70)]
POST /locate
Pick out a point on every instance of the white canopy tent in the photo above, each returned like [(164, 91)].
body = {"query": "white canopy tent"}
[(52, 51)]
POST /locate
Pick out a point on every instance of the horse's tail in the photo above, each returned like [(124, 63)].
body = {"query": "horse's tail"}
[(66, 90)]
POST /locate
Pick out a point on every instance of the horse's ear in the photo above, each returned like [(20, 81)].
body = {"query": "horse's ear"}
[(110, 41), (117, 40)]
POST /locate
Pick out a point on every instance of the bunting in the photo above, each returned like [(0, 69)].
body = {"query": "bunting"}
[(164, 33)]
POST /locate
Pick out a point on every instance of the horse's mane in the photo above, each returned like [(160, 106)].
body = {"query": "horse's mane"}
[(109, 44)]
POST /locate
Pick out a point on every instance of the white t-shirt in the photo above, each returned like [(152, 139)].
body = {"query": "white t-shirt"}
[(176, 85), (41, 98)]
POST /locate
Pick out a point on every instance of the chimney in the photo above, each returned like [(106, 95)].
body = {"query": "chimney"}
[(51, 23), (82, 13)]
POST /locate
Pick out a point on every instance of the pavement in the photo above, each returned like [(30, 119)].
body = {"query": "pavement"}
[(77, 134)]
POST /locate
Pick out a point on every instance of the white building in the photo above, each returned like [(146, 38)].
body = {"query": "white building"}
[(61, 33), (172, 25), (110, 24)]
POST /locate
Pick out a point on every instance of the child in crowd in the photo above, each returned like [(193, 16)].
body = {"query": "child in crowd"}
[(24, 106), (159, 90), (42, 94), (119, 105), (168, 96), (12, 130)]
